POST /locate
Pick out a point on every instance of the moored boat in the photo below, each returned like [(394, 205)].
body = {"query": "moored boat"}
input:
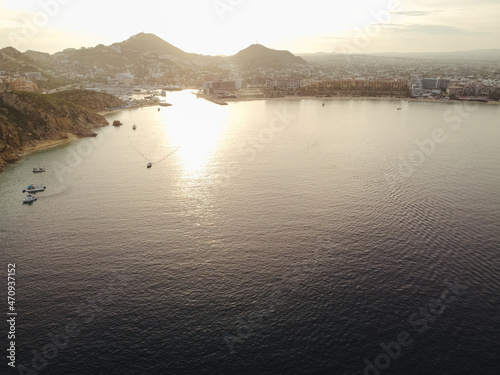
[(134, 127), (38, 170), (149, 165), (117, 123)]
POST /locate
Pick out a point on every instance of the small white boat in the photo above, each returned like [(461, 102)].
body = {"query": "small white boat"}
[(38, 170), (34, 189), (29, 199)]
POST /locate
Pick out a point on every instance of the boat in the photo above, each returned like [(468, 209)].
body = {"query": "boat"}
[(34, 189), (149, 165), (29, 198), (38, 170), (399, 109), (117, 123), (134, 127)]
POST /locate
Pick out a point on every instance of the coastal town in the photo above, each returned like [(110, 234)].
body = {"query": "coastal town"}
[(137, 77)]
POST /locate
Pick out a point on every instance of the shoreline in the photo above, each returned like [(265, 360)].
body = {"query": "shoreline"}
[(38, 146), (108, 112), (47, 144), (372, 98)]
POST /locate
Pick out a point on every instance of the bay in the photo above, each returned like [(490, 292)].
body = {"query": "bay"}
[(269, 237)]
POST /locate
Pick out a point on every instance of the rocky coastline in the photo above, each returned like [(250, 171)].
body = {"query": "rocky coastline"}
[(30, 122)]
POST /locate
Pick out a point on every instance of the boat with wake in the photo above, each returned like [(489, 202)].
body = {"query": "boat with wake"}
[(34, 189), (29, 199)]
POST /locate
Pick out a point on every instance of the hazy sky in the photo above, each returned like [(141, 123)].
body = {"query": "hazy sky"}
[(227, 26)]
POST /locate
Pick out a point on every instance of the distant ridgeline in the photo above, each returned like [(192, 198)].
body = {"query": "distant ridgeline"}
[(28, 118)]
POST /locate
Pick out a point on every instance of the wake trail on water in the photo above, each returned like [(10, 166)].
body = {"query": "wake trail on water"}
[(149, 159)]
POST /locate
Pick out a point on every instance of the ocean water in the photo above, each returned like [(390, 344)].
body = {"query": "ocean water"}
[(269, 237)]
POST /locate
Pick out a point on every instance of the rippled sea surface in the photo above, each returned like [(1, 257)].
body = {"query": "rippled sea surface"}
[(269, 237)]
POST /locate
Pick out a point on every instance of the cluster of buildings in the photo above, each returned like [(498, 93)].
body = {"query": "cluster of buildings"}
[(459, 89), (121, 78), (286, 84), (428, 86), (491, 91), (362, 83), (223, 88), (25, 82), (311, 82)]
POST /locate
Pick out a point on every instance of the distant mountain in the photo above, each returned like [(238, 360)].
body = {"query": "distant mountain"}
[(15, 61), (143, 43), (479, 54), (258, 55), (135, 50), (317, 54)]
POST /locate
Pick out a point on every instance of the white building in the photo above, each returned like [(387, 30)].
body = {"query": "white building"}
[(125, 78)]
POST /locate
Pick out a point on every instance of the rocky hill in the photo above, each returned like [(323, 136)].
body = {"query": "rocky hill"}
[(28, 118), (147, 57), (258, 55), (144, 43), (13, 61), (96, 101)]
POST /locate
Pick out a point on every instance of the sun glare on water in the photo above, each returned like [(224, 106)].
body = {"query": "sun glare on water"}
[(195, 131)]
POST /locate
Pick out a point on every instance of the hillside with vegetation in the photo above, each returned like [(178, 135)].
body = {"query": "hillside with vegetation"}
[(258, 55), (30, 118)]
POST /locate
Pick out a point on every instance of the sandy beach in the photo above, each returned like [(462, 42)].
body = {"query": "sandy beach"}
[(48, 144)]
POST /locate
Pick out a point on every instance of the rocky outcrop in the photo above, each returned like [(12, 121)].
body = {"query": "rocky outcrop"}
[(29, 118), (97, 101)]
